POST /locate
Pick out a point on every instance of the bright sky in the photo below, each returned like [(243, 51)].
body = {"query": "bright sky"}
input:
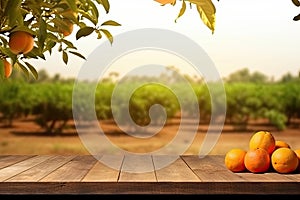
[(259, 35)]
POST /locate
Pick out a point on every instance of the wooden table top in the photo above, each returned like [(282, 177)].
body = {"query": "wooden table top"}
[(84, 174)]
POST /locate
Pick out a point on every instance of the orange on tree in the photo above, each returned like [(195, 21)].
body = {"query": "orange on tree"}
[(7, 68), (257, 160), (38, 31), (20, 42), (264, 140), (280, 144), (284, 160), (68, 27), (297, 151), (234, 160)]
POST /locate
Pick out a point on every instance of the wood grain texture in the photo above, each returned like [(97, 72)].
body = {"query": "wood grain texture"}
[(186, 174), (210, 170), (12, 170), (149, 188), (11, 159), (74, 170), (107, 169), (176, 171), (41, 170), (137, 168)]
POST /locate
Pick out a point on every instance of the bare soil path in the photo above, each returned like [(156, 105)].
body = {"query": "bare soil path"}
[(25, 137)]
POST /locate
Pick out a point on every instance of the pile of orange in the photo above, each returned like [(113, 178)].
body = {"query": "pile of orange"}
[(264, 154)]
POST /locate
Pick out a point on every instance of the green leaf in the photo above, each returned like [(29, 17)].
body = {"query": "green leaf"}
[(72, 4), (11, 6), (99, 35), (60, 47), (61, 6), (7, 52), (108, 35), (19, 19), (23, 68), (105, 4), (296, 2), (85, 31), (65, 57), (69, 44), (4, 41), (29, 21), (50, 45), (1, 69), (182, 10), (90, 17), (164, 2), (77, 54), (94, 10), (25, 29), (32, 70), (35, 53), (42, 35), (207, 11), (296, 18), (12, 12), (110, 23)]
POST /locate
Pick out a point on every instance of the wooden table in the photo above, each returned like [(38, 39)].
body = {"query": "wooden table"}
[(84, 174)]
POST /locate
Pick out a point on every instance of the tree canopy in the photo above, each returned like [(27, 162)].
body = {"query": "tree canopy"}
[(46, 24)]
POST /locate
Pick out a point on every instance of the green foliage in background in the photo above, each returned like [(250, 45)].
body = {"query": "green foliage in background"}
[(49, 101)]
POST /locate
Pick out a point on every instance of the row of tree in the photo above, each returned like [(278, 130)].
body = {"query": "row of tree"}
[(50, 101)]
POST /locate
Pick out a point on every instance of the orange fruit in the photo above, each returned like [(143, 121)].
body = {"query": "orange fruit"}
[(264, 140), (234, 160), (297, 151), (284, 160), (280, 144), (20, 42), (68, 29), (7, 68), (257, 160)]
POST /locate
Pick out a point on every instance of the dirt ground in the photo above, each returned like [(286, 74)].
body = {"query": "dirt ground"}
[(25, 137)]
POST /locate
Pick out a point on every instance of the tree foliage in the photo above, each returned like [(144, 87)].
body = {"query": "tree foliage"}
[(48, 22), (51, 21), (296, 3), (244, 75), (49, 101), (205, 8)]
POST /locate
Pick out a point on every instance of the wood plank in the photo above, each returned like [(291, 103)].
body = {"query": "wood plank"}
[(137, 168), (19, 167), (173, 169), (86, 175), (193, 188), (294, 176), (210, 170), (41, 170), (8, 160), (107, 169), (264, 177), (74, 170)]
